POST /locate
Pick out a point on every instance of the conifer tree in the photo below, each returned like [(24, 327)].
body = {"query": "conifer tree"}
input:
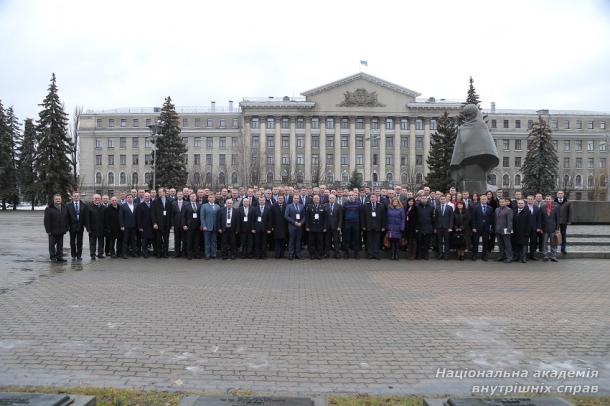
[(171, 151), (541, 165), (355, 180), (7, 172), (27, 153), (441, 150), (15, 140)]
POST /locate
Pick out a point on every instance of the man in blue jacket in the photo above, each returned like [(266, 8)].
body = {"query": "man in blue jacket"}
[(482, 226), (209, 225), (295, 216)]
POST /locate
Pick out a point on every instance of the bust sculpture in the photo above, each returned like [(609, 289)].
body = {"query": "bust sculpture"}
[(474, 153)]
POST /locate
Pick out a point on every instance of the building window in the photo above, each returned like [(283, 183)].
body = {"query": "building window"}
[(98, 160), (185, 122), (209, 123), (147, 143), (209, 142), (197, 121), (359, 159), (389, 142), (505, 180), (98, 123), (419, 160), (110, 142), (389, 160), (235, 123), (344, 141), (209, 159), (505, 124), (134, 178), (517, 123), (567, 124), (122, 159), (404, 124), (579, 124), (222, 142), (197, 142), (590, 125), (300, 141), (578, 145), (222, 160), (578, 163), (285, 123), (344, 123), (315, 123), (517, 145), (122, 143), (566, 162), (315, 160), (234, 142), (389, 123), (602, 125), (404, 142), (284, 159), (554, 124), (330, 159), (270, 141), (111, 122), (98, 143), (590, 146), (359, 141), (505, 162), (555, 145), (403, 161), (603, 162), (517, 162), (148, 122), (221, 123), (492, 179), (285, 141), (300, 159), (433, 124), (517, 180), (122, 178), (254, 143), (110, 160), (300, 123), (419, 124), (197, 159), (578, 181), (506, 145), (148, 159), (566, 145), (530, 124), (123, 122), (98, 178), (359, 124), (419, 142), (330, 123), (603, 146), (135, 159), (344, 159), (590, 163), (374, 124), (254, 123), (330, 141), (270, 122), (494, 123), (315, 141), (233, 159)]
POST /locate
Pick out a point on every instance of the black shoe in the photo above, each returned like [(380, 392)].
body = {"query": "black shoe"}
[(500, 259), (532, 258), (508, 261), (125, 257), (290, 258), (553, 259), (546, 259), (564, 252), (61, 260), (93, 257), (523, 261), (484, 259), (101, 256)]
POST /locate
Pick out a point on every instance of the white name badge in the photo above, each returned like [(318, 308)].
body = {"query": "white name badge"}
[(316, 216), (506, 231), (165, 212), (194, 215), (228, 222), (245, 219), (374, 214), (298, 216), (260, 219)]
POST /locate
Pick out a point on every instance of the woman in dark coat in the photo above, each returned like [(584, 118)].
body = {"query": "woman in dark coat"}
[(521, 232), (461, 228), (410, 227), (395, 225)]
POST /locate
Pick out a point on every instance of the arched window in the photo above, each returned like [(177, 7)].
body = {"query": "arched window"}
[(602, 181), (234, 178), (566, 180), (419, 179), (253, 178), (284, 176), (389, 177), (147, 178), (517, 180), (375, 177), (505, 180), (492, 179), (122, 178), (270, 177), (300, 177), (111, 178), (578, 181), (208, 179), (196, 179), (403, 179), (221, 179), (344, 177), (134, 179), (98, 178), (590, 181), (330, 177)]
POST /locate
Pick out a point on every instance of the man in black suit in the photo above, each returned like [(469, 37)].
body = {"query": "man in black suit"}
[(191, 225), (178, 207), (424, 228), (373, 223), (127, 221), (334, 223), (161, 215), (246, 226), (95, 227), (262, 227), (77, 219), (443, 226), (279, 226), (315, 225), (112, 229), (145, 225), (482, 226), (56, 224), (228, 227), (521, 231), (535, 228)]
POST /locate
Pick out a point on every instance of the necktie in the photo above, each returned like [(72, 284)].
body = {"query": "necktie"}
[(229, 214), (77, 212), (519, 211), (331, 209), (443, 210), (194, 208)]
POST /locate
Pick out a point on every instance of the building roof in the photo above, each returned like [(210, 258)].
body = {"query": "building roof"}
[(548, 112), (157, 110), (364, 76)]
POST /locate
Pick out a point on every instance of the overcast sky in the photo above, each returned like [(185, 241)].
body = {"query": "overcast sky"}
[(110, 54)]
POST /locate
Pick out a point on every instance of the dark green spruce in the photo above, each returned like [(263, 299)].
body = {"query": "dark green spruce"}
[(441, 149), (541, 165), (171, 151), (26, 171)]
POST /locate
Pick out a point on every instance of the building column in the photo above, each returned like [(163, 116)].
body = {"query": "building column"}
[(368, 157), (247, 157), (262, 151), (412, 146), (337, 149), (307, 178), (322, 155), (396, 171), (277, 162), (292, 154), (426, 144), (381, 166), (352, 145)]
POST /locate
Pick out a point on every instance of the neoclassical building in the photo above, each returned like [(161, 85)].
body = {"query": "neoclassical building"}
[(360, 123)]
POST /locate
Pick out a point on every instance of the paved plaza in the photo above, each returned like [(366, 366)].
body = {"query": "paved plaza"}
[(300, 327)]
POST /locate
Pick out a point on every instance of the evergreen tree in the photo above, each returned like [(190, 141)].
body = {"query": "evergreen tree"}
[(7, 172), (541, 164), (27, 154), (15, 142), (51, 163), (171, 151), (441, 150), (472, 97), (355, 181)]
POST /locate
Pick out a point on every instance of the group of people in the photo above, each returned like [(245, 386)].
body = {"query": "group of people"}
[(235, 222)]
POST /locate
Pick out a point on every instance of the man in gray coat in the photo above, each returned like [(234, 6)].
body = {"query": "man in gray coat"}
[(549, 222), (564, 217), (504, 229)]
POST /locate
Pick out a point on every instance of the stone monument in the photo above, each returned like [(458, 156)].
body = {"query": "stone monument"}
[(474, 153)]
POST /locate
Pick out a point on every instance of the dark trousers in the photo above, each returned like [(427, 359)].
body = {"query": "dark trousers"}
[(520, 252), (246, 240), (110, 244), (563, 228), (491, 241), (56, 246), (533, 243), (96, 240), (540, 242), (193, 238), (146, 241), (162, 241), (280, 246), (423, 245), (333, 241), (228, 244), (76, 244), (138, 241), (315, 244), (179, 241), (442, 237), (129, 241), (505, 245), (395, 247), (373, 238), (351, 238), (480, 237), (260, 244), (294, 241)]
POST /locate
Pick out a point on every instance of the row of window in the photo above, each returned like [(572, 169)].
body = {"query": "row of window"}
[(135, 159), (567, 145), (329, 123), (567, 181), (134, 181), (554, 124), (186, 122), (135, 142)]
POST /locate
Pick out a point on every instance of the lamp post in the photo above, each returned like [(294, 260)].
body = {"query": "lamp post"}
[(372, 139), (155, 132)]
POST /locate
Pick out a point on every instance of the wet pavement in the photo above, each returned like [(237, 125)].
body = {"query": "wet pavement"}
[(300, 327)]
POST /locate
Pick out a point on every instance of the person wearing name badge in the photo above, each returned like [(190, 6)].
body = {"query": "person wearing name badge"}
[(127, 222), (294, 215), (228, 228), (443, 225), (161, 214), (246, 225), (177, 209), (145, 225), (95, 227), (315, 225), (191, 226), (262, 227), (279, 226), (334, 224), (77, 218), (504, 229), (373, 224), (209, 226), (56, 224)]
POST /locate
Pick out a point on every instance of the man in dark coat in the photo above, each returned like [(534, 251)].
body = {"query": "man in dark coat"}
[(521, 231), (549, 223), (373, 223), (294, 215), (565, 208), (443, 225), (503, 224), (112, 228), (177, 209), (351, 225), (535, 230), (246, 226), (334, 223), (144, 223), (482, 225), (56, 224), (424, 228), (315, 225), (127, 221), (161, 215), (262, 227), (77, 218), (228, 228), (191, 226), (280, 227), (95, 227)]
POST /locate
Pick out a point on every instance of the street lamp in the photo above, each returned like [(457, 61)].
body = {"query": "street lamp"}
[(372, 139), (155, 132)]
